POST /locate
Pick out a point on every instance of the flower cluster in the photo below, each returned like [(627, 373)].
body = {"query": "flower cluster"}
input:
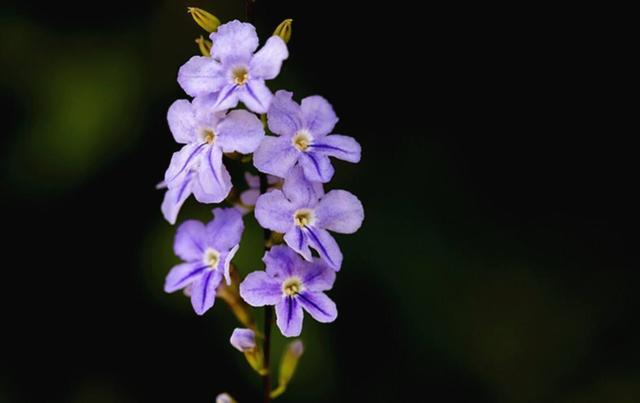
[(230, 101)]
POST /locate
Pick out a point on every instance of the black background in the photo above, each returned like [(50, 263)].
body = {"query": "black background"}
[(498, 176)]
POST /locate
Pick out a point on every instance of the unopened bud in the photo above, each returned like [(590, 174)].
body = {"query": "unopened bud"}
[(205, 19), (284, 30), (288, 366), (204, 46)]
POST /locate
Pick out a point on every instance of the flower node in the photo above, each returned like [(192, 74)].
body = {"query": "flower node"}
[(240, 76), (211, 258), (301, 141), (292, 286), (303, 217), (209, 136)]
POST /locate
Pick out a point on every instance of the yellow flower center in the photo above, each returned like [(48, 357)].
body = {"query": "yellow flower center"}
[(292, 286), (301, 140), (209, 136), (303, 217), (240, 75), (211, 258)]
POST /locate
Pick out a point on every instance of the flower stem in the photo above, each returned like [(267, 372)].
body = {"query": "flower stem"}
[(268, 315)]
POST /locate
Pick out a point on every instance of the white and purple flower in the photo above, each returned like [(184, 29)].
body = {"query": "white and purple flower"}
[(197, 168), (233, 72), (207, 251), (292, 285), (303, 213), (303, 139)]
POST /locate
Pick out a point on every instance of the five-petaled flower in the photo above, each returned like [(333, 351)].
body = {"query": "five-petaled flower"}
[(303, 139), (291, 284), (304, 214), (207, 251), (233, 72), (197, 168)]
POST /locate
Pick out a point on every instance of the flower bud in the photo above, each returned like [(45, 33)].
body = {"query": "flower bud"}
[(284, 30), (244, 340), (225, 398), (206, 20), (288, 366), (204, 46)]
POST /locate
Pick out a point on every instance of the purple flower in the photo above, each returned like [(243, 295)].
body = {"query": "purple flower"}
[(248, 197), (233, 72), (304, 215), (303, 139), (244, 340), (197, 168), (291, 284), (207, 251)]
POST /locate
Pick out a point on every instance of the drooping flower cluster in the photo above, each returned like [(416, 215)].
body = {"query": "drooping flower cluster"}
[(293, 164)]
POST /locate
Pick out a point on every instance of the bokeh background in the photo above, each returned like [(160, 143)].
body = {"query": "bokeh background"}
[(497, 261)]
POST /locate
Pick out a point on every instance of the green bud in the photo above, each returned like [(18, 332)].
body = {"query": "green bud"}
[(284, 30), (288, 365), (204, 46), (205, 19)]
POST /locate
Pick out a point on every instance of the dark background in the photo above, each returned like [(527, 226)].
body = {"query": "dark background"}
[(497, 261)]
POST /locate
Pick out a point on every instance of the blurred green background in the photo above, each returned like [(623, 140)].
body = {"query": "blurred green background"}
[(495, 263)]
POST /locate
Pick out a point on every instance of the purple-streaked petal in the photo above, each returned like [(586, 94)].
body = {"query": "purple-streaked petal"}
[(243, 339), (203, 291), (318, 114), (266, 63), (225, 230), (318, 305), (181, 163), (182, 121), (299, 190), (201, 76), (316, 276), (281, 261), (342, 147), (227, 263), (327, 247), (190, 241), (284, 115), (297, 240), (213, 176), (339, 211), (227, 98), (234, 41), (182, 275), (240, 131), (275, 156), (253, 181), (274, 211), (317, 167), (256, 96), (249, 197), (258, 289), (174, 198), (289, 317)]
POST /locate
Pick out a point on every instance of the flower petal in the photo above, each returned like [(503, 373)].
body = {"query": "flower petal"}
[(275, 156), (181, 163), (243, 339), (213, 176), (266, 63), (227, 263), (299, 190), (190, 241), (274, 211), (317, 276), (258, 289), (182, 275), (317, 167), (240, 131), (339, 211), (297, 240), (284, 115), (289, 317), (182, 121), (253, 181), (175, 197), (203, 291), (225, 230), (342, 147), (327, 247), (227, 98), (318, 114), (281, 261), (201, 76), (318, 305), (256, 96), (234, 41)]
